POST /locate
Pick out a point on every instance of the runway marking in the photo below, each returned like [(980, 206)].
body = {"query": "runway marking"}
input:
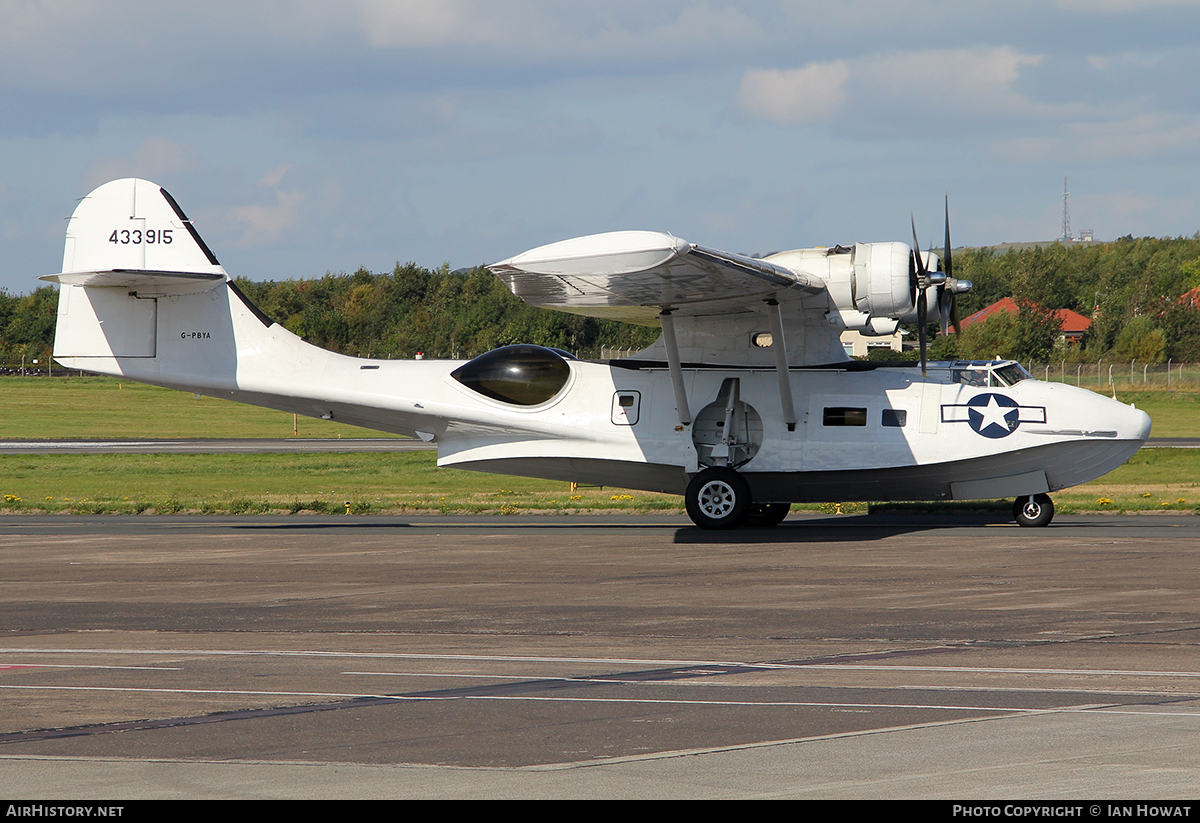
[(796, 664), (85, 666), (991, 670), (898, 687), (389, 655)]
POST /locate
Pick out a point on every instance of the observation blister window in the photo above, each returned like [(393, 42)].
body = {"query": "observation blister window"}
[(521, 375)]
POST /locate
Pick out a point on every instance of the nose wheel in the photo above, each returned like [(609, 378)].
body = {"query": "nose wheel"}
[(717, 498), (1034, 510)]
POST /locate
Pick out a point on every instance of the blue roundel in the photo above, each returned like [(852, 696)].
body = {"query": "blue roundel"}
[(993, 415)]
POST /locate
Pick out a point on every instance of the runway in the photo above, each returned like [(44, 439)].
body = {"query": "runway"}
[(905, 656)]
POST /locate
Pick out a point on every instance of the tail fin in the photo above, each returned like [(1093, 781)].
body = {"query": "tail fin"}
[(132, 226), (128, 243)]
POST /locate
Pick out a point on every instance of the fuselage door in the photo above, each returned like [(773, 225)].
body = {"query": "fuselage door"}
[(626, 408)]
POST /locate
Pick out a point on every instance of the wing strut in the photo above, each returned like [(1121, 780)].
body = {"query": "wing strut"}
[(781, 363), (681, 401)]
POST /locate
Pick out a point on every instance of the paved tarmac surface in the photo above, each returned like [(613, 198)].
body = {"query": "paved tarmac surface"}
[(558, 656)]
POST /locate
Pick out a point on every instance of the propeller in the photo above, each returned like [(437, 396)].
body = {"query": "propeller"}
[(947, 293), (923, 279), (948, 289)]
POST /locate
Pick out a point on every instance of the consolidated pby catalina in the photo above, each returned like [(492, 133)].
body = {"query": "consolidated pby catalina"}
[(745, 404)]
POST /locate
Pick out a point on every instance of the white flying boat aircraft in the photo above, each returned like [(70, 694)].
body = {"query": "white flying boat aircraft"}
[(746, 404)]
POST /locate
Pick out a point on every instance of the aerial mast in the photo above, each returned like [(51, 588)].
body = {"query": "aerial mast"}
[(1066, 235)]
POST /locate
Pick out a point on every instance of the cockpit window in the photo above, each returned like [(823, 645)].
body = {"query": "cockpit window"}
[(1011, 374), (971, 377), (521, 375), (983, 373)]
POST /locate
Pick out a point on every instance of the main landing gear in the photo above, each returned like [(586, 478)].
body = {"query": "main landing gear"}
[(719, 498), (1033, 510)]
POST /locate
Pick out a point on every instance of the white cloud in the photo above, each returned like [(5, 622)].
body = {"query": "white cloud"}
[(266, 223), (927, 84), (272, 178), (979, 79), (798, 97)]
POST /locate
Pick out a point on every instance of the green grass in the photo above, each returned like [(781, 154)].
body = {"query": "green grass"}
[(261, 483), (82, 408)]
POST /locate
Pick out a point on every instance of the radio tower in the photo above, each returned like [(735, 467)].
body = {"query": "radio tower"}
[(1066, 214)]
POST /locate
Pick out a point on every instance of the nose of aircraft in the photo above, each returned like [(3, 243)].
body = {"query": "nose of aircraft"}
[(1139, 424), (1130, 423), (1099, 413)]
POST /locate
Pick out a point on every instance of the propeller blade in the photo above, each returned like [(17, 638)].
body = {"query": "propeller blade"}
[(954, 314), (921, 270), (945, 307), (922, 321), (947, 266)]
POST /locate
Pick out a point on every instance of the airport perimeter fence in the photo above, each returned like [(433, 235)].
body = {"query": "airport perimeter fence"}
[(1105, 375), (42, 369)]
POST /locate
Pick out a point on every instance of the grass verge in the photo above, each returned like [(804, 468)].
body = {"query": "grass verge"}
[(82, 408), (376, 483)]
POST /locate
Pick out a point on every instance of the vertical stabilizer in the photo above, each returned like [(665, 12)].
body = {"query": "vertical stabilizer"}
[(134, 225), (132, 262)]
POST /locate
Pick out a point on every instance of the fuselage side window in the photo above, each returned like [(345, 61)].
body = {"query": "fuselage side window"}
[(844, 416)]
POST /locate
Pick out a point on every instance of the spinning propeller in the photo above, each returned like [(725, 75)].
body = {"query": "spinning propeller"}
[(948, 288)]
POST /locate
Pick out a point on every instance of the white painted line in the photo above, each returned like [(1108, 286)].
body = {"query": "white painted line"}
[(983, 670), (4, 666), (604, 660), (626, 700), (394, 656)]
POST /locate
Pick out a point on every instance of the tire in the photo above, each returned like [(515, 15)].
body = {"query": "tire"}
[(718, 498), (1035, 510), (765, 515)]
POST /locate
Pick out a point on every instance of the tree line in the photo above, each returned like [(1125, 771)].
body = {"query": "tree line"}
[(1131, 288)]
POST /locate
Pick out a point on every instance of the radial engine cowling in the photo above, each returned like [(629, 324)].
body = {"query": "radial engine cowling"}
[(870, 283)]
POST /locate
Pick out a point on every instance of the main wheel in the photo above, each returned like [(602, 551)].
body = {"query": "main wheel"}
[(1035, 510), (765, 515), (718, 498)]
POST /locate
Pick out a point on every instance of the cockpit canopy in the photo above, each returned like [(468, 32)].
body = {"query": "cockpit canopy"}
[(522, 375), (988, 373)]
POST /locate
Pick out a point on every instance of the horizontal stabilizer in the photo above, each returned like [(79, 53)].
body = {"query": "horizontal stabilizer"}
[(132, 278)]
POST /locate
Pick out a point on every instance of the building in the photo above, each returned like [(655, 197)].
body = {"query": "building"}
[(1074, 324), (858, 344)]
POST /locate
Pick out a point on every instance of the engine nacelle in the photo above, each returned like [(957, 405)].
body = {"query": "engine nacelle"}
[(870, 283)]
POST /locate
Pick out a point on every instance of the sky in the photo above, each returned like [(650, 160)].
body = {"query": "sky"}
[(310, 137)]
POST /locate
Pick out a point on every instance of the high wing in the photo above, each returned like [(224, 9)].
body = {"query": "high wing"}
[(634, 276), (717, 307)]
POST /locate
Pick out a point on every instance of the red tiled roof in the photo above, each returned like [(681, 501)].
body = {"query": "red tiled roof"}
[(1191, 298), (1072, 322)]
